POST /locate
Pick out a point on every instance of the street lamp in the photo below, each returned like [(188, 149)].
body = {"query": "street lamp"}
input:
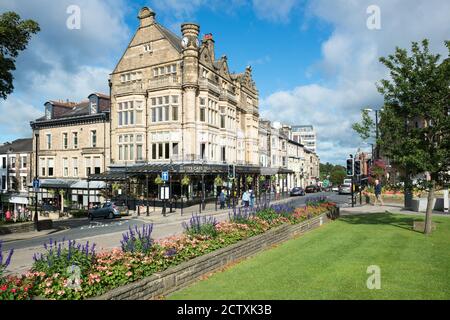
[(203, 184), (36, 184)]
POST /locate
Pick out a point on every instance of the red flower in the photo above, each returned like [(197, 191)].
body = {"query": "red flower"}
[(4, 287), (13, 290)]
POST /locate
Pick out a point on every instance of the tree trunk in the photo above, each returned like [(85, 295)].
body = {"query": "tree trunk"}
[(408, 192), (429, 208)]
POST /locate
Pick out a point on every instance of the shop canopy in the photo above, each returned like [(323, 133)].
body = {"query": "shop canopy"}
[(192, 169)]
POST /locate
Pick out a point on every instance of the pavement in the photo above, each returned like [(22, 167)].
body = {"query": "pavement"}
[(106, 234), (387, 207)]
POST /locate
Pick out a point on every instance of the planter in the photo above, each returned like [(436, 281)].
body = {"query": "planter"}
[(184, 274), (19, 227)]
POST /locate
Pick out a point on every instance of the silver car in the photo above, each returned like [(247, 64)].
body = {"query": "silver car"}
[(345, 188)]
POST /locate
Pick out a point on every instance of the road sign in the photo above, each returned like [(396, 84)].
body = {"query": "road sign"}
[(36, 184), (164, 193), (325, 183), (165, 175)]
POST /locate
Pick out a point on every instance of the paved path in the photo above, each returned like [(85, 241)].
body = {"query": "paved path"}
[(392, 208), (107, 234)]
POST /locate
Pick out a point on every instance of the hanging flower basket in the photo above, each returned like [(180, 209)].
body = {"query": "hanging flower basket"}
[(218, 181), (159, 180), (185, 181)]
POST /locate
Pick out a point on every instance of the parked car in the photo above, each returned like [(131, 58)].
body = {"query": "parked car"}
[(109, 210), (345, 188), (335, 188), (312, 189), (297, 191)]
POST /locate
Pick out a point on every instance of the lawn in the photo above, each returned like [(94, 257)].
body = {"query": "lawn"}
[(331, 263)]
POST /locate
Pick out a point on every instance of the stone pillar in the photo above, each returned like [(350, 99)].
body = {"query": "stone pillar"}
[(190, 33)]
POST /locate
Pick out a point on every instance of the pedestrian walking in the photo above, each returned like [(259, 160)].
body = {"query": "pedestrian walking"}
[(252, 198), (246, 199), (378, 189), (222, 199), (8, 215), (277, 195)]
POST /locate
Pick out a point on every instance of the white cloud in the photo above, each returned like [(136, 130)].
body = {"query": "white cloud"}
[(61, 63), (274, 10), (350, 66)]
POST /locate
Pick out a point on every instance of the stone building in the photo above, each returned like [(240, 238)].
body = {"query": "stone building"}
[(15, 175), (306, 135), (73, 141), (175, 106), (172, 99)]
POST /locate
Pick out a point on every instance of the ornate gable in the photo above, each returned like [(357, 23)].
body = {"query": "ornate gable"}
[(206, 57), (246, 79)]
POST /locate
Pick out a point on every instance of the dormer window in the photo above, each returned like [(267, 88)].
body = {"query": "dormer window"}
[(93, 108), (48, 112)]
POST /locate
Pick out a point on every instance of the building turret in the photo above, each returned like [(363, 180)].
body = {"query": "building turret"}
[(190, 45)]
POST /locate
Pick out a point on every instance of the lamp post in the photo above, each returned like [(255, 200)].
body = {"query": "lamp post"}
[(36, 184), (203, 184)]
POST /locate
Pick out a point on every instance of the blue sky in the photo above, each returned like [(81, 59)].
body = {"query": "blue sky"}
[(314, 61)]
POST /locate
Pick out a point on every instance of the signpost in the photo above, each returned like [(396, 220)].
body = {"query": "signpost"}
[(164, 191)]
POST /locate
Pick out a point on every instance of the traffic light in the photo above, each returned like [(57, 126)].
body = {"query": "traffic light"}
[(231, 171), (357, 167), (350, 167)]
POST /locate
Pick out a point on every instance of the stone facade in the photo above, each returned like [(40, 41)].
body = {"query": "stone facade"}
[(173, 100), (15, 174), (73, 142)]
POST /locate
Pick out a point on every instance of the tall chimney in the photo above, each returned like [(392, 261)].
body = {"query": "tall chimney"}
[(146, 17), (209, 41)]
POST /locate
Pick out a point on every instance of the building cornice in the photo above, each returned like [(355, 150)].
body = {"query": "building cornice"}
[(86, 119)]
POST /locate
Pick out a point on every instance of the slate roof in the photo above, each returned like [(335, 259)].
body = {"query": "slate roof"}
[(171, 37), (17, 146)]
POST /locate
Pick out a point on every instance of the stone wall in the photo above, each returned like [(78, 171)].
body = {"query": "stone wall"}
[(25, 227), (178, 277)]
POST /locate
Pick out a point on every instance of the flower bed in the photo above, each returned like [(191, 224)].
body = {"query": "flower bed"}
[(75, 271)]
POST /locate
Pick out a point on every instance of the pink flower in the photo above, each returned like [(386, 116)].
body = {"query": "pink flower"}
[(129, 274), (60, 292)]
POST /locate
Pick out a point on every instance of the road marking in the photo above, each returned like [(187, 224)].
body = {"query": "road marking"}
[(95, 224)]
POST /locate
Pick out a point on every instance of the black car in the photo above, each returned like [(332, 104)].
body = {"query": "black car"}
[(312, 189), (109, 210), (297, 191)]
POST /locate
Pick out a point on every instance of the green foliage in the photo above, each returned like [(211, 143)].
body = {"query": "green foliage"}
[(337, 173), (159, 180), (218, 181), (366, 127), (58, 257), (268, 214), (185, 181), (14, 37), (415, 126), (249, 180)]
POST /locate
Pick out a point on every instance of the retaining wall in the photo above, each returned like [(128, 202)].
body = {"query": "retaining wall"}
[(190, 271)]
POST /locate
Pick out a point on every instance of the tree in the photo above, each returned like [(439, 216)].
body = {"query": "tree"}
[(366, 127), (415, 122), (14, 37), (336, 173)]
